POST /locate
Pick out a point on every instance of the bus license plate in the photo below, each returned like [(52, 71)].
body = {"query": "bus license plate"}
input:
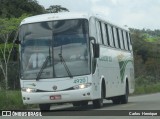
[(55, 97)]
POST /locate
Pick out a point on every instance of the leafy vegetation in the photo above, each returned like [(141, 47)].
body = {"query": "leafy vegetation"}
[(152, 39), (11, 100), (8, 27), (145, 85), (146, 45), (16, 8), (56, 9)]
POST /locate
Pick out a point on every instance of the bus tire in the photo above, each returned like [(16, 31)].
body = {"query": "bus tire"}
[(44, 107), (116, 100), (124, 98), (76, 104), (80, 103), (84, 103), (98, 103)]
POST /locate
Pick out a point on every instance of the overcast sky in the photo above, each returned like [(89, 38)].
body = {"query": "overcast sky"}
[(133, 13)]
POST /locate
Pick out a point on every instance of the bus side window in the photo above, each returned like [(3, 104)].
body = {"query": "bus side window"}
[(114, 42), (110, 36), (107, 34), (118, 38), (125, 40), (115, 37), (121, 39), (92, 28), (128, 43), (99, 32), (104, 34)]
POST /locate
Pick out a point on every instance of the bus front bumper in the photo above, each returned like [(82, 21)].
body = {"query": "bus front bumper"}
[(57, 97)]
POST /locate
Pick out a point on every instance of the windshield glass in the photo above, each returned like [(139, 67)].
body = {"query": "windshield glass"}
[(68, 38)]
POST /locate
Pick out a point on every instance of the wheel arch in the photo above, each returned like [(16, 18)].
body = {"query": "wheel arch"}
[(103, 85), (126, 83)]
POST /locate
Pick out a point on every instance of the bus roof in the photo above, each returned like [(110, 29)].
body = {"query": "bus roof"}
[(66, 15), (54, 16)]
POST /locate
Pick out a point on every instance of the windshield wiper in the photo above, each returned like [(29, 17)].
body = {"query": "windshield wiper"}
[(43, 67), (65, 65)]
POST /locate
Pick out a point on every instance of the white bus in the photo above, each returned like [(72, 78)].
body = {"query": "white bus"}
[(74, 58)]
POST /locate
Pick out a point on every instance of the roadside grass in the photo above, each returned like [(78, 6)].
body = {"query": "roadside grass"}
[(146, 85), (147, 89), (152, 39), (10, 100)]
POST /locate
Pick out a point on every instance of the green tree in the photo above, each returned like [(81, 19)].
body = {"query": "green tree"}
[(56, 9), (140, 46), (16, 8), (8, 26), (146, 53)]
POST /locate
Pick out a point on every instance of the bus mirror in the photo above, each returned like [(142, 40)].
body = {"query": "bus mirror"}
[(14, 53), (92, 39), (96, 50), (17, 42), (16, 39)]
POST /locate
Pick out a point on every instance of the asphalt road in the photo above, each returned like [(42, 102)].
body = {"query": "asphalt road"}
[(141, 102), (138, 104)]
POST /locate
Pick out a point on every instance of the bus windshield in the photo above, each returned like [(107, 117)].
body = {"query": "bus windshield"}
[(56, 40)]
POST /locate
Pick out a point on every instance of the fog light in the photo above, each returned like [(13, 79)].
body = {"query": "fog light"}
[(88, 93)]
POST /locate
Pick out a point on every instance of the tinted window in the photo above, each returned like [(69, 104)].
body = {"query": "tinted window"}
[(115, 37), (110, 36), (125, 40), (62, 45), (118, 38), (121, 38), (107, 34), (99, 32)]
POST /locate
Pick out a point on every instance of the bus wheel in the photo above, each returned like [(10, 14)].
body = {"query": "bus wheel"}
[(99, 102), (84, 103), (124, 98), (44, 107), (76, 104), (116, 100), (80, 103)]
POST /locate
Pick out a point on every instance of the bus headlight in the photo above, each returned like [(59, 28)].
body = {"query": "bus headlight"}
[(29, 90), (82, 86)]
